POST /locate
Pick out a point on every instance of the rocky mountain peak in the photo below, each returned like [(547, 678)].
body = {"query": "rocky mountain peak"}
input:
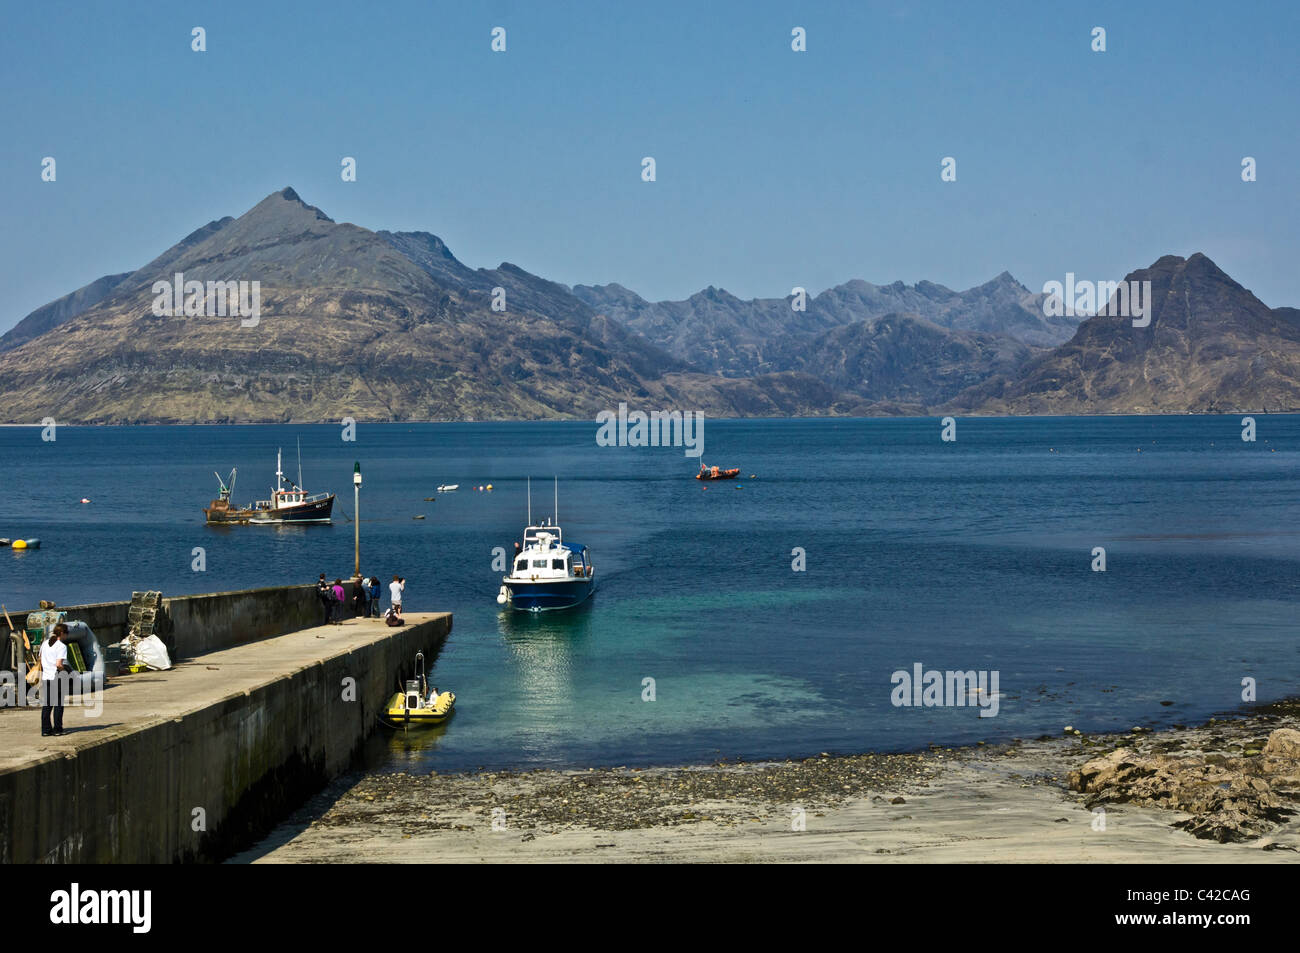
[(284, 207)]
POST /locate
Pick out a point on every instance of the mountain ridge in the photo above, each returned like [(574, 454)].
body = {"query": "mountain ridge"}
[(350, 325), (392, 326)]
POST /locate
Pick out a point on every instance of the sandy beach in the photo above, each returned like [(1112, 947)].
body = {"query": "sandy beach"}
[(1005, 803)]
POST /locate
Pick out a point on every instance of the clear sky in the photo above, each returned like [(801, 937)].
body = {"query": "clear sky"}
[(774, 168)]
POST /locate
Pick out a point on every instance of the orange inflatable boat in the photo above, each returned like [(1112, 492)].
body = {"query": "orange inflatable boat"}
[(713, 473)]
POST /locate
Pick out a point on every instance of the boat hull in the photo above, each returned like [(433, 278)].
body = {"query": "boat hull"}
[(396, 713), (317, 511), (548, 595)]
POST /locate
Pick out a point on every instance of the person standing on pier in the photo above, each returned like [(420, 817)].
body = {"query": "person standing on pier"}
[(326, 596), (54, 672), (373, 589), (339, 596), (395, 590), (359, 597)]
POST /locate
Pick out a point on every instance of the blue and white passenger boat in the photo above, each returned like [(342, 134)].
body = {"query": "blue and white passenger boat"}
[(547, 573)]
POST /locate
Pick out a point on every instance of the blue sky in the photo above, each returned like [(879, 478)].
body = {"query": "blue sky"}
[(774, 168)]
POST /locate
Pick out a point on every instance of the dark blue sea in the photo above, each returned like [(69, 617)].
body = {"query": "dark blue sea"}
[(969, 555)]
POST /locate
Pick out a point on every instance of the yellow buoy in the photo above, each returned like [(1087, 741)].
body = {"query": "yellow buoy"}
[(19, 544)]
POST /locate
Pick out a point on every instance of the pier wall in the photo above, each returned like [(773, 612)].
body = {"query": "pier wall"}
[(201, 761), (219, 620), (210, 621)]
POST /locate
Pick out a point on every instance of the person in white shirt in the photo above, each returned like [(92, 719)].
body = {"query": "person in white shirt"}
[(54, 663), (395, 590)]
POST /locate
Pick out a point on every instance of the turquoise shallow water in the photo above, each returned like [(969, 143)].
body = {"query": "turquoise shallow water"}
[(967, 555)]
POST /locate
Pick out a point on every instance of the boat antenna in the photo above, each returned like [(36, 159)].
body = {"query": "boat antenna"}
[(556, 511), (530, 501), (299, 486)]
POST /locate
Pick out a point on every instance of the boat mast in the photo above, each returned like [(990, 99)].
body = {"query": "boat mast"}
[(279, 476), (299, 486), (556, 511), (530, 501)]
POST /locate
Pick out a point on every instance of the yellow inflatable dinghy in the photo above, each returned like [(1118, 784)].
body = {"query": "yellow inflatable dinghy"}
[(418, 704), (408, 708)]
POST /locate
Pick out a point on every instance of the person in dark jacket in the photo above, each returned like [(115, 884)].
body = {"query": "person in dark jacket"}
[(325, 593), (360, 609), (373, 590)]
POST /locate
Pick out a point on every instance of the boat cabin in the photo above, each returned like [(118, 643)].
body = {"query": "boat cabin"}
[(545, 556), (282, 497)]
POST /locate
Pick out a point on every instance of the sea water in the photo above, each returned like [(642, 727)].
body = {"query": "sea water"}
[(759, 618)]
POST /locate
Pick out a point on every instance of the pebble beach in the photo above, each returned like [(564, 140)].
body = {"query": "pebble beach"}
[(1233, 783)]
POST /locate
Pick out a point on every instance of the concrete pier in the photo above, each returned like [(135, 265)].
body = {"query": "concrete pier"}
[(193, 763)]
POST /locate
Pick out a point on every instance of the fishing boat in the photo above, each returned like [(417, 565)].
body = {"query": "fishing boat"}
[(547, 573), (714, 473), (288, 504), (449, 488), (418, 704)]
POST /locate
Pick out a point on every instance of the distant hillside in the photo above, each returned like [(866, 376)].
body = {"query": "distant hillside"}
[(903, 358), (715, 331), (50, 316), (83, 299), (385, 326), (1211, 347)]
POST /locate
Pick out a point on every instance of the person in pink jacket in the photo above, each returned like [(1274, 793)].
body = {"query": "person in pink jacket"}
[(339, 596)]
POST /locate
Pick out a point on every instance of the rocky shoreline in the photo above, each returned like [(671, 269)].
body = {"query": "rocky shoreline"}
[(1180, 793), (1235, 779)]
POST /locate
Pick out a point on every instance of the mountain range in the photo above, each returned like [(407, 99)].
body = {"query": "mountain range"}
[(380, 325)]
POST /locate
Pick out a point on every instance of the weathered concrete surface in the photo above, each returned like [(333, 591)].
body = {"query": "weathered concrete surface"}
[(236, 737), (212, 620)]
